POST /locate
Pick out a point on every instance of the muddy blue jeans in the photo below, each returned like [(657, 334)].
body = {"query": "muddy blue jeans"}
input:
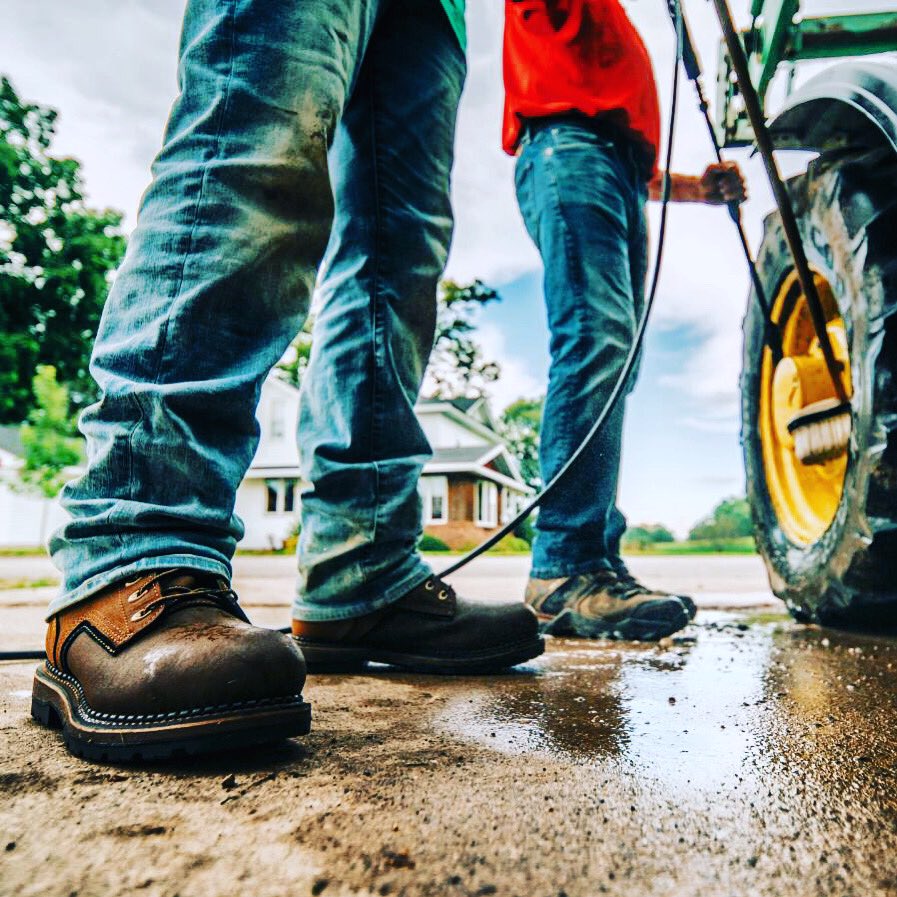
[(300, 126), (582, 195)]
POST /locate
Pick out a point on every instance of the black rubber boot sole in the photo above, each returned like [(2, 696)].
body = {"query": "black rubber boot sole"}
[(690, 607), (321, 657), (648, 622), (57, 703)]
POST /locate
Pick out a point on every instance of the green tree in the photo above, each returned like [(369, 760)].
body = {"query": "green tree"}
[(646, 534), (56, 257), (48, 440), (293, 369), (48, 436), (519, 426), (730, 519), (457, 367)]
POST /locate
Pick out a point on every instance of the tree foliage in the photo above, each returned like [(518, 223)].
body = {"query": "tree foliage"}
[(457, 367), (293, 368), (647, 534), (519, 427), (55, 260), (48, 436), (730, 519)]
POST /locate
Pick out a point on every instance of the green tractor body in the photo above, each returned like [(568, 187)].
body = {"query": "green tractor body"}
[(779, 36), (827, 529)]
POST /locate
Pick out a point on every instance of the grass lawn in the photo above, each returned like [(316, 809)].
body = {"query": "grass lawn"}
[(744, 545), (9, 584), (741, 545)]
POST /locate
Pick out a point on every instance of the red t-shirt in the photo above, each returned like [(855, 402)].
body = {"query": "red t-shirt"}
[(578, 56)]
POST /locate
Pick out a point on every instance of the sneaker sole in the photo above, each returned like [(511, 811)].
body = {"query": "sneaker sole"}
[(332, 658), (648, 622), (58, 703)]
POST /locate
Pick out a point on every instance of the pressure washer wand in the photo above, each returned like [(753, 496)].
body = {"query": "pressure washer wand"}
[(783, 200), (692, 66)]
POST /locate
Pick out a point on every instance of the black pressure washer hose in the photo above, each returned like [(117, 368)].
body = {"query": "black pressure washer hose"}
[(684, 54), (617, 392)]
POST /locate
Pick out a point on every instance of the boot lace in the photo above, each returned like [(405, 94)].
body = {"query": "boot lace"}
[(172, 593)]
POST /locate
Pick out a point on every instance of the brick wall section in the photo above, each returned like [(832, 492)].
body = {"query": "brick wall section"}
[(460, 532), (461, 499)]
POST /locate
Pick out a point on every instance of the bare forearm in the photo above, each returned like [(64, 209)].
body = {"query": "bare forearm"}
[(722, 182), (683, 188)]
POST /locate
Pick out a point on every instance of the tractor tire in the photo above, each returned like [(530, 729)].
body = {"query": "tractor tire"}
[(828, 534)]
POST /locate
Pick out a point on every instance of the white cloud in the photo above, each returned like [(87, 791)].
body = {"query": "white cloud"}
[(110, 71), (109, 68), (516, 381)]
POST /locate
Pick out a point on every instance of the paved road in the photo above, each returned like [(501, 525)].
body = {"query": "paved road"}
[(750, 756), (266, 581)]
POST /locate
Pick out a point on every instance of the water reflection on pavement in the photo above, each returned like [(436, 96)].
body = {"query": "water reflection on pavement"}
[(762, 726)]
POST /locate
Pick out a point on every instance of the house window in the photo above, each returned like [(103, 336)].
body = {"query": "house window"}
[(272, 494), (289, 495), (277, 427), (508, 505), (280, 496), (486, 504), (511, 503), (434, 496)]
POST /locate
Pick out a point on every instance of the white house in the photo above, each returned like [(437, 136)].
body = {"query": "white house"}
[(470, 486), (267, 500), (26, 519)]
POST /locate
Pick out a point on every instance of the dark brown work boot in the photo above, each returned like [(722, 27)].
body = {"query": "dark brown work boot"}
[(428, 630), (605, 605), (164, 664)]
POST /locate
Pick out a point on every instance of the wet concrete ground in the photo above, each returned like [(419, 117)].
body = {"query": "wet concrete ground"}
[(749, 756)]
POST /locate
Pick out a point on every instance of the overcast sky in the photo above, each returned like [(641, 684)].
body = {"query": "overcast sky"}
[(109, 68)]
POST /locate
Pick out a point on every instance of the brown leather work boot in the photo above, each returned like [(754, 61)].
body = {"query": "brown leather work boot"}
[(606, 604), (428, 630), (166, 664)]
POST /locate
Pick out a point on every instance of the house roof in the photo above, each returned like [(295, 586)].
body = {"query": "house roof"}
[(491, 462), (476, 418), (465, 454)]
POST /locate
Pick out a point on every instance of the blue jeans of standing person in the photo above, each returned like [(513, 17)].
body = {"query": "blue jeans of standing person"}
[(300, 126), (582, 194)]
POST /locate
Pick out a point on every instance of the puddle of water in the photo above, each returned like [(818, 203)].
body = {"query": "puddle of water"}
[(688, 725), (738, 600), (673, 713)]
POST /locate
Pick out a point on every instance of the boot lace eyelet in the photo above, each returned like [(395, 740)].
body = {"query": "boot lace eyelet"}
[(140, 614), (443, 595), (429, 585)]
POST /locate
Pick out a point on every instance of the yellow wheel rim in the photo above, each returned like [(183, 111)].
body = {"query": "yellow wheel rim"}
[(805, 498)]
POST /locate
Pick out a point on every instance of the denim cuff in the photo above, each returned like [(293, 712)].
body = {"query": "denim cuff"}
[(592, 566), (101, 580), (401, 582)]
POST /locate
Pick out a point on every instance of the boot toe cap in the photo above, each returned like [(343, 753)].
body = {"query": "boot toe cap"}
[(185, 668)]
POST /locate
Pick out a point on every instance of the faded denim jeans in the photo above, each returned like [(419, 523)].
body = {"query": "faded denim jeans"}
[(300, 125), (582, 197)]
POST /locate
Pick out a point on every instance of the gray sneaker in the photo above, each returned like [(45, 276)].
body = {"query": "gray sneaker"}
[(626, 577), (605, 605)]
